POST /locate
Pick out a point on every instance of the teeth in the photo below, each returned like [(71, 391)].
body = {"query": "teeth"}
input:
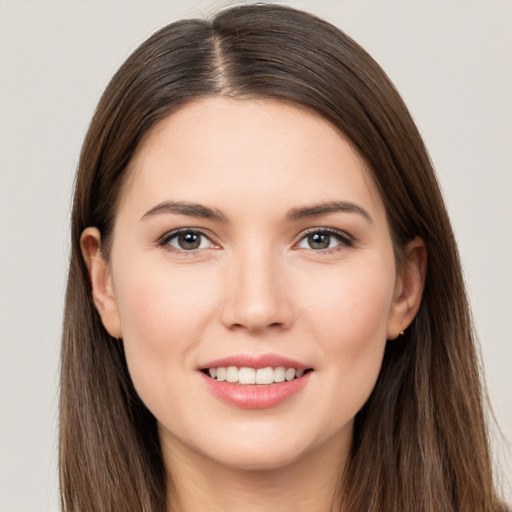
[(247, 375), (221, 374), (264, 376), (232, 374), (290, 374), (279, 374)]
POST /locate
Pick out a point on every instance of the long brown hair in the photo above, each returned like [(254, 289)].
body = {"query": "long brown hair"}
[(420, 441)]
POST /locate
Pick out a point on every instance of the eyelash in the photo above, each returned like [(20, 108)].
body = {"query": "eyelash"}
[(165, 240), (345, 240)]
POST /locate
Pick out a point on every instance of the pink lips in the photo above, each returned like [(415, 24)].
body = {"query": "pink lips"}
[(251, 361), (255, 396)]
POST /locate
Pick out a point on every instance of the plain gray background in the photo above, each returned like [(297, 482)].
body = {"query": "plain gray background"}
[(452, 62)]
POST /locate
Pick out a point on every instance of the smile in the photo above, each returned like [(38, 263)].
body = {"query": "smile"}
[(246, 375), (255, 382)]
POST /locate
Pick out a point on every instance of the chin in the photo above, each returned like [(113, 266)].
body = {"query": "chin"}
[(274, 450), (265, 459)]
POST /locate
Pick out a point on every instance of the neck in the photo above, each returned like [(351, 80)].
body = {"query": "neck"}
[(309, 484)]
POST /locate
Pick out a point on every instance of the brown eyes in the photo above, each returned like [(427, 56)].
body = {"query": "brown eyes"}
[(189, 240), (319, 240), (324, 239)]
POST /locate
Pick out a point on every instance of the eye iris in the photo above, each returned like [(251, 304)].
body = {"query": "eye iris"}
[(319, 240), (189, 241)]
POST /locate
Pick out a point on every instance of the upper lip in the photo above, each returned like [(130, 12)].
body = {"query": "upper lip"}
[(255, 361)]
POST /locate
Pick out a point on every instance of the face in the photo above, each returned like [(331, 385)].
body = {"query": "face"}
[(250, 235)]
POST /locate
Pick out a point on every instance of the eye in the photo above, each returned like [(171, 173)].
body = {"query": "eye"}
[(324, 239), (187, 240)]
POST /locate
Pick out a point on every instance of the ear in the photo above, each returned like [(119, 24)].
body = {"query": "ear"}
[(409, 286), (101, 281)]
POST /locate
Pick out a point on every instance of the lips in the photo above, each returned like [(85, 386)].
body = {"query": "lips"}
[(251, 361), (255, 382)]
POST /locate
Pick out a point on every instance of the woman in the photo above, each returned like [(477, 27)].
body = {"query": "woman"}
[(265, 306)]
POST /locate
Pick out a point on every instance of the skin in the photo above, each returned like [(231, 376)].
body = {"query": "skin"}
[(254, 286)]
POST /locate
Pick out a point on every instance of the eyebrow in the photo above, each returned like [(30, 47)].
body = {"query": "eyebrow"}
[(189, 209), (326, 208), (204, 212)]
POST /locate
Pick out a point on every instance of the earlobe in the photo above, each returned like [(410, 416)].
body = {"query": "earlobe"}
[(409, 287), (101, 281)]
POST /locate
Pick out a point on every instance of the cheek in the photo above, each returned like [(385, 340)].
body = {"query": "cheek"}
[(155, 302), (351, 304), (348, 318), (162, 316)]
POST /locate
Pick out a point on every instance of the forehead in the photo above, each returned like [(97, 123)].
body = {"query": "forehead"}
[(251, 153)]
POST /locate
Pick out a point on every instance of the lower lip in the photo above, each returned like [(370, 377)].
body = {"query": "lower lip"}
[(254, 396)]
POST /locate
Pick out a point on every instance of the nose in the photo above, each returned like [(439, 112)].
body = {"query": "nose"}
[(256, 295)]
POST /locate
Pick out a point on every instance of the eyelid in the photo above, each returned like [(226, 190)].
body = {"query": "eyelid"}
[(345, 240), (164, 240)]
